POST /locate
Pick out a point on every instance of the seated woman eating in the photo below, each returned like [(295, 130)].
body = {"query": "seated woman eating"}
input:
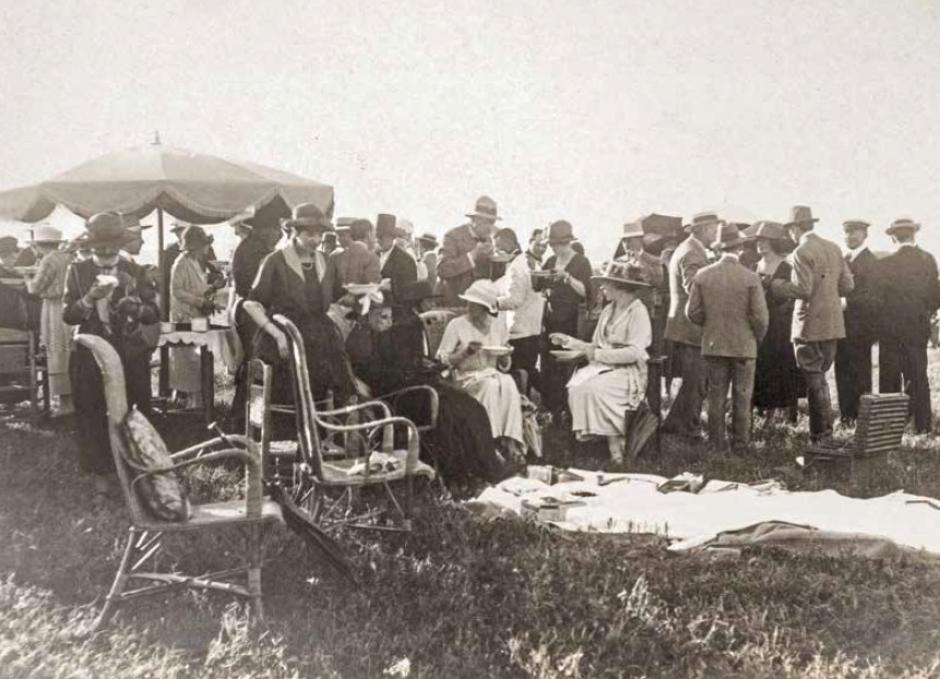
[(299, 282), (391, 357), (614, 380), (474, 346)]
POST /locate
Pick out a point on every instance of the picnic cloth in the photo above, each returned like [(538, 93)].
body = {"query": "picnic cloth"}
[(727, 513)]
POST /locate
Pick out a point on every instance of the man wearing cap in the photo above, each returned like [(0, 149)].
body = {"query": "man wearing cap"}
[(727, 300), (820, 277), (396, 265), (685, 415), (860, 311), (910, 295), (465, 253)]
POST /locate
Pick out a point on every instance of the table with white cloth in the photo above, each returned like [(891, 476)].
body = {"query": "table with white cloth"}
[(215, 342)]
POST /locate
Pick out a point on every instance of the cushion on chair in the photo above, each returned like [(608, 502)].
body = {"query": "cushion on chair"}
[(162, 494)]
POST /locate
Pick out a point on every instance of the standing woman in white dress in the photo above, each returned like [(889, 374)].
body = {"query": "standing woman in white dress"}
[(54, 334), (468, 348), (190, 297), (614, 380)]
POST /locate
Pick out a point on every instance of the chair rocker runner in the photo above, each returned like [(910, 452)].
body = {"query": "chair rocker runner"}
[(350, 455), (252, 515)]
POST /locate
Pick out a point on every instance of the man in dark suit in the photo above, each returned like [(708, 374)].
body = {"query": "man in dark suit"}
[(465, 254), (819, 279), (910, 293), (727, 300), (396, 264), (685, 415), (860, 311)]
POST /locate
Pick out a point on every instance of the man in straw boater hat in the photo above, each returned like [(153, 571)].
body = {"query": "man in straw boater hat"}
[(860, 311), (910, 295), (727, 300), (466, 250), (820, 277), (110, 297), (684, 418)]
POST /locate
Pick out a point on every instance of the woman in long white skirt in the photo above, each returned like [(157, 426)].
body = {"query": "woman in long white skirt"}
[(614, 380), (54, 335), (475, 346)]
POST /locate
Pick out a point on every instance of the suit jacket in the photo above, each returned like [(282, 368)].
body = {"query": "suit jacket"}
[(356, 264), (246, 260), (454, 267), (910, 294), (862, 304), (819, 279), (727, 299), (688, 258), (400, 267)]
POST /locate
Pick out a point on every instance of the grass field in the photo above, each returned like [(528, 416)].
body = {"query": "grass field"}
[(462, 596)]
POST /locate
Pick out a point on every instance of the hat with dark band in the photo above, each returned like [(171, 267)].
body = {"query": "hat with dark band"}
[(485, 208), (728, 237), (625, 273), (902, 224), (560, 232), (801, 214), (307, 216), (105, 229), (702, 219)]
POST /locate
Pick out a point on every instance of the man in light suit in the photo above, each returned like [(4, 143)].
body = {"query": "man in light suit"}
[(465, 254), (727, 300), (685, 415), (820, 277), (910, 296), (860, 311)]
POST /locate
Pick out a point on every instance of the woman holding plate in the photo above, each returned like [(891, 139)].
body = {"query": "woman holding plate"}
[(614, 379), (474, 346)]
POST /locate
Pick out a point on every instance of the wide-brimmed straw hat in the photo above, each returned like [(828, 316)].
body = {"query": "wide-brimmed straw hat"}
[(729, 236), (855, 225), (767, 229), (801, 214), (45, 233), (105, 229), (307, 216), (483, 292), (702, 219), (195, 237), (902, 224), (560, 232), (485, 208), (624, 273)]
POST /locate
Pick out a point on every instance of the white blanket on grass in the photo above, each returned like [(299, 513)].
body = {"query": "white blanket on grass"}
[(634, 505)]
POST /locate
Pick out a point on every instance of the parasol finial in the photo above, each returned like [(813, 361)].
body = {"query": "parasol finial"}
[(156, 138)]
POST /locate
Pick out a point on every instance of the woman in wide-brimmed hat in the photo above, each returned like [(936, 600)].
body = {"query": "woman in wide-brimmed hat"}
[(568, 292), (776, 377), (111, 297), (472, 345), (614, 380), (55, 336), (300, 282)]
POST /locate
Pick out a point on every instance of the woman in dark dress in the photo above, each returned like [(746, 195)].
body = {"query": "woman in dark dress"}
[(111, 297), (298, 281), (568, 290), (388, 358), (776, 379)]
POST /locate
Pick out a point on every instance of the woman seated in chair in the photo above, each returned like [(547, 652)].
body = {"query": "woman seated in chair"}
[(298, 281), (471, 347), (614, 379), (388, 358)]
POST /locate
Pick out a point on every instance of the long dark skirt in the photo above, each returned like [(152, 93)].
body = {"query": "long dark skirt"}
[(94, 444)]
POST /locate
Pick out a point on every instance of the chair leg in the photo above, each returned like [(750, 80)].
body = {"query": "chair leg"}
[(117, 587), (255, 548)]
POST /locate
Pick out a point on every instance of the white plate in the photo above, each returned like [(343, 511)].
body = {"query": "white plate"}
[(361, 288), (566, 354), (497, 351), (106, 279)]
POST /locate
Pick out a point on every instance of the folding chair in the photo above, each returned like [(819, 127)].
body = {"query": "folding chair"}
[(252, 515), (349, 455)]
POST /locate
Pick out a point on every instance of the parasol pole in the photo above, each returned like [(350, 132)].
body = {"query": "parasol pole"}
[(164, 383)]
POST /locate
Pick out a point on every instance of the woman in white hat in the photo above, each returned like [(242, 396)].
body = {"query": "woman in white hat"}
[(55, 336), (614, 380), (475, 346)]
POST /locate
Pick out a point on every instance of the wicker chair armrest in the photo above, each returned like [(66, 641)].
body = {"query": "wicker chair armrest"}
[(218, 440), (387, 426), (379, 405)]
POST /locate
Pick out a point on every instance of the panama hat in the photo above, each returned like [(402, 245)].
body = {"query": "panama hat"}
[(702, 219), (801, 214), (105, 229), (560, 232), (485, 208), (483, 292), (902, 224), (45, 233), (625, 273), (307, 216)]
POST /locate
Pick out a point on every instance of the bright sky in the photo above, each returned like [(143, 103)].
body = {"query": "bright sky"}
[(593, 111)]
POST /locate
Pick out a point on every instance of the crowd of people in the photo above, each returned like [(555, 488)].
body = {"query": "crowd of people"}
[(758, 311)]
